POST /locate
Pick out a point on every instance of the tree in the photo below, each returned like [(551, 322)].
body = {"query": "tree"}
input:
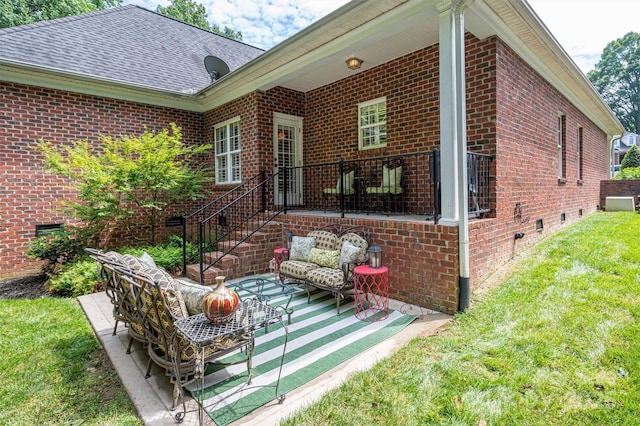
[(195, 14), (631, 158), (21, 12), (617, 78), (127, 177)]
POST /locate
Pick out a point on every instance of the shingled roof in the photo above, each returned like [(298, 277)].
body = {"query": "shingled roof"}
[(129, 44)]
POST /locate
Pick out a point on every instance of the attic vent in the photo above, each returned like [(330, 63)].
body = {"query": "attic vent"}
[(216, 67)]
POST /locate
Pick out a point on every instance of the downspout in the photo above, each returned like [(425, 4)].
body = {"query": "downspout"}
[(612, 153), (464, 281)]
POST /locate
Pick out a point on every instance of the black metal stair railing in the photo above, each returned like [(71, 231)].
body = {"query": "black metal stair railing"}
[(191, 222), (234, 223)]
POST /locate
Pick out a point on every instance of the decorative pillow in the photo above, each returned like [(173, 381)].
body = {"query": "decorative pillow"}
[(349, 254), (148, 260), (192, 294), (326, 258), (357, 241), (300, 248)]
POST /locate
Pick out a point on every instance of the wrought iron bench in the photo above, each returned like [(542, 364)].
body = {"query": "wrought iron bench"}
[(325, 259), (148, 300)]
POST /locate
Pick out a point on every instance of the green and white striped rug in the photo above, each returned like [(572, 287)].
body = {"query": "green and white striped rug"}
[(319, 340)]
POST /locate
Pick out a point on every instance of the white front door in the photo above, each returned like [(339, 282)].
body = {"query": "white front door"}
[(287, 151)]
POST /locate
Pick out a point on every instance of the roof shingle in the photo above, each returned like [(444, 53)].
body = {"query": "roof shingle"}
[(129, 44)]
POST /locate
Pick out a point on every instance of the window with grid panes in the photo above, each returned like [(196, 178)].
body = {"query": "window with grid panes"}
[(227, 143), (372, 124)]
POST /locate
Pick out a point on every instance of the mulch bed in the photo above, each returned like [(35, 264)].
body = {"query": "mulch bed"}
[(23, 288)]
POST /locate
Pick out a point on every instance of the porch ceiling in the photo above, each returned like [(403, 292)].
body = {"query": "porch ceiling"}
[(413, 27)]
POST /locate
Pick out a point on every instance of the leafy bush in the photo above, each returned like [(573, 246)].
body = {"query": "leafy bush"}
[(60, 247), (75, 279), (167, 255), (129, 176), (628, 173), (80, 276), (631, 159)]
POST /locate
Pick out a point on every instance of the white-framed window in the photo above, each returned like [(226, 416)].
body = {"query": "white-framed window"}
[(580, 153), (227, 143), (562, 166), (372, 124)]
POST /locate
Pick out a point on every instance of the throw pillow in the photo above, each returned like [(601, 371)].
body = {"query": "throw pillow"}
[(326, 258), (192, 294), (148, 260), (301, 247), (349, 254)]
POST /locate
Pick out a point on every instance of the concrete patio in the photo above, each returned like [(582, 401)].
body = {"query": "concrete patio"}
[(152, 397)]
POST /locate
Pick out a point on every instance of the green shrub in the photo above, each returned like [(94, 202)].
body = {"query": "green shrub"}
[(631, 159), (60, 247), (167, 255), (75, 279), (80, 276), (628, 173)]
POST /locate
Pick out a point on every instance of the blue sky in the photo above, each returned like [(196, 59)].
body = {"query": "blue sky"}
[(582, 27)]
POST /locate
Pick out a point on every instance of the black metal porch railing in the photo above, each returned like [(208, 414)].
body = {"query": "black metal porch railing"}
[(402, 184)]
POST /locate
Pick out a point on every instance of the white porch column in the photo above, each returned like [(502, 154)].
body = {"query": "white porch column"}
[(448, 131)]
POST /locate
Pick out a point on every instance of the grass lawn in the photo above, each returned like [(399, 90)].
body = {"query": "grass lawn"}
[(558, 343), (52, 370)]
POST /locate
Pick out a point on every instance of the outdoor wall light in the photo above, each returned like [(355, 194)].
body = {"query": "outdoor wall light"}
[(375, 256), (289, 236), (354, 63)]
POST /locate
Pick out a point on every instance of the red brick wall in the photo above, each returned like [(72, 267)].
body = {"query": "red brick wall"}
[(29, 195), (512, 114), (527, 165), (619, 188), (422, 257)]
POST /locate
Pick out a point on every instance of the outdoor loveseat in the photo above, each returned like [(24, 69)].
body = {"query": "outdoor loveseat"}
[(148, 300), (325, 260)]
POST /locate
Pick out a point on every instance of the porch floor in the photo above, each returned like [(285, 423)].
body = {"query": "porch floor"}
[(152, 397), (392, 217)]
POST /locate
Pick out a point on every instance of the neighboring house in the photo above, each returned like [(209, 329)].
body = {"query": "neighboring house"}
[(527, 106), (621, 146)]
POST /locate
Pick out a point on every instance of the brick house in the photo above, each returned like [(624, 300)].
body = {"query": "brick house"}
[(520, 101)]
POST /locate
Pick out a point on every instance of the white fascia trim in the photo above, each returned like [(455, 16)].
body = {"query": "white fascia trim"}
[(507, 35), (17, 72)]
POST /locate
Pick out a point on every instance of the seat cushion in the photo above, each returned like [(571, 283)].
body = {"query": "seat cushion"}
[(170, 290), (328, 277), (296, 268), (391, 182), (325, 240)]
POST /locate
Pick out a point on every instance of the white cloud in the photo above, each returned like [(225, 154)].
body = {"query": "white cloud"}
[(584, 27)]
